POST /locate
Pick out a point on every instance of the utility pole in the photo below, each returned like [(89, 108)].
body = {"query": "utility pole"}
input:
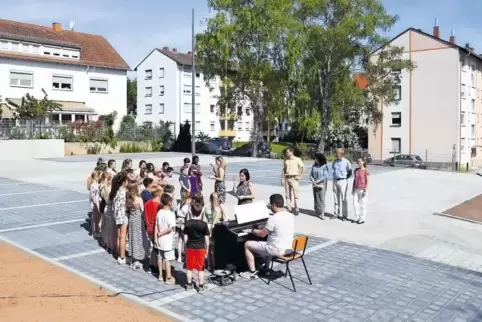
[(193, 91)]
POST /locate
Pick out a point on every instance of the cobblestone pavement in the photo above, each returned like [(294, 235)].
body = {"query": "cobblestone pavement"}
[(350, 282)]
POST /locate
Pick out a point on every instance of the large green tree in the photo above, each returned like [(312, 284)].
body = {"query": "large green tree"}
[(131, 96), (239, 47), (343, 37)]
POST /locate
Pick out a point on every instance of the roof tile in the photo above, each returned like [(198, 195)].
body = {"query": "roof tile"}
[(96, 51)]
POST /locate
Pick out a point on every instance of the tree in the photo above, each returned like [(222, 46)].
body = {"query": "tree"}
[(132, 97), (202, 137), (183, 141), (127, 129), (238, 47), (108, 136), (33, 109), (340, 37)]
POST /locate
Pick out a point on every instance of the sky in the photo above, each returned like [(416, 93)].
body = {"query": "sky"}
[(134, 28)]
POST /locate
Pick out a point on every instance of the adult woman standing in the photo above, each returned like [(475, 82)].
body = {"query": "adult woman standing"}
[(319, 179), (243, 190), (219, 172)]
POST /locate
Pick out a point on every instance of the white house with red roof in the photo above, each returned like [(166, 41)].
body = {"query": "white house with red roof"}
[(82, 72)]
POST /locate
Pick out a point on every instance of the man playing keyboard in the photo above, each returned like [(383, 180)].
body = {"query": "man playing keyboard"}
[(280, 230)]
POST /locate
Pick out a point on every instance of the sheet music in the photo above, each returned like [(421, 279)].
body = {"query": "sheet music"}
[(251, 212)]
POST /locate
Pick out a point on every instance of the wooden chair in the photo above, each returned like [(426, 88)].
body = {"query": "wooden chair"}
[(299, 248)]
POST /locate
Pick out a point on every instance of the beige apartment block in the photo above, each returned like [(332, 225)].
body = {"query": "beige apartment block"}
[(438, 113)]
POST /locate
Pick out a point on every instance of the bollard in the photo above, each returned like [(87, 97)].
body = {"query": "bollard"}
[(467, 167)]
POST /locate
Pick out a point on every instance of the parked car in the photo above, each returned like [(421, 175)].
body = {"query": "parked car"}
[(222, 143), (407, 160), (246, 150)]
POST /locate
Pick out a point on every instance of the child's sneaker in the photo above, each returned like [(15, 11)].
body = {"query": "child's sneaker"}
[(121, 261), (136, 265), (170, 281), (201, 289), (189, 287)]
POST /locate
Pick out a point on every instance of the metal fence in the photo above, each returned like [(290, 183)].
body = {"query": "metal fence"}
[(423, 158), (84, 132)]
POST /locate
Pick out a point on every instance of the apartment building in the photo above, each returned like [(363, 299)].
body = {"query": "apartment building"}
[(82, 72), (438, 109), (164, 93)]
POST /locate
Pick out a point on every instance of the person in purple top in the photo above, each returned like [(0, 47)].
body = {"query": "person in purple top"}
[(193, 182)]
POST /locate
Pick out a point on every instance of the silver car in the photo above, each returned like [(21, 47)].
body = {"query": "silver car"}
[(407, 160)]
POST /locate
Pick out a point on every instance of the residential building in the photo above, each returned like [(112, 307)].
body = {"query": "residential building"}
[(437, 103), (164, 93), (82, 72)]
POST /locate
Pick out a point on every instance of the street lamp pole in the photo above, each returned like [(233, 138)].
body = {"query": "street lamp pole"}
[(193, 91)]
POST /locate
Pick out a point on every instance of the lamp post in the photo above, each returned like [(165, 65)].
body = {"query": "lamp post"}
[(193, 91)]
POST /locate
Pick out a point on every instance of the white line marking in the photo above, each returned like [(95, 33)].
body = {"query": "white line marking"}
[(44, 204), (92, 252), (42, 225), (109, 288), (27, 192), (15, 184)]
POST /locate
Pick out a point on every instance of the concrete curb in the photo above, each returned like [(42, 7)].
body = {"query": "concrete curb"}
[(455, 217), (109, 288)]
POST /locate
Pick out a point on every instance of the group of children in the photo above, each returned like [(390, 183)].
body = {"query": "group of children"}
[(136, 213)]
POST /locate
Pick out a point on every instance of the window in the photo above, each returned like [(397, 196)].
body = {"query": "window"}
[(473, 106), (472, 78), (161, 108), (148, 109), (187, 108), (198, 75), (187, 90), (148, 91), (462, 143), (15, 46), (462, 118), (21, 79), (25, 48), (246, 126), (211, 127), (211, 108), (248, 112), (472, 130), (198, 108), (161, 90), (396, 145), (198, 127), (3, 45), (240, 126), (99, 85), (36, 49), (398, 93), (462, 91), (63, 83), (397, 66), (396, 119), (148, 73), (161, 72)]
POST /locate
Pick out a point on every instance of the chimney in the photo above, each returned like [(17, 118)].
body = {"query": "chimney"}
[(165, 48), (189, 52), (174, 50), (452, 36), (56, 26), (436, 29)]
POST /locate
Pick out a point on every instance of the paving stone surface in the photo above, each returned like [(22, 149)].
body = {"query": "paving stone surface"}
[(350, 282)]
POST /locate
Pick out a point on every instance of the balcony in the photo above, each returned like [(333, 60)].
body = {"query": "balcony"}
[(228, 133), (228, 116)]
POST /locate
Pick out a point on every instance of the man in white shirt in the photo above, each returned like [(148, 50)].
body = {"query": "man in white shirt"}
[(280, 230)]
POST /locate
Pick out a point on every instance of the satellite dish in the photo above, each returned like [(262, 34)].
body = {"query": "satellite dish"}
[(72, 24)]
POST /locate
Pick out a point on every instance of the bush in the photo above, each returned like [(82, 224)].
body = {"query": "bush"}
[(156, 145), (133, 148), (93, 149)]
